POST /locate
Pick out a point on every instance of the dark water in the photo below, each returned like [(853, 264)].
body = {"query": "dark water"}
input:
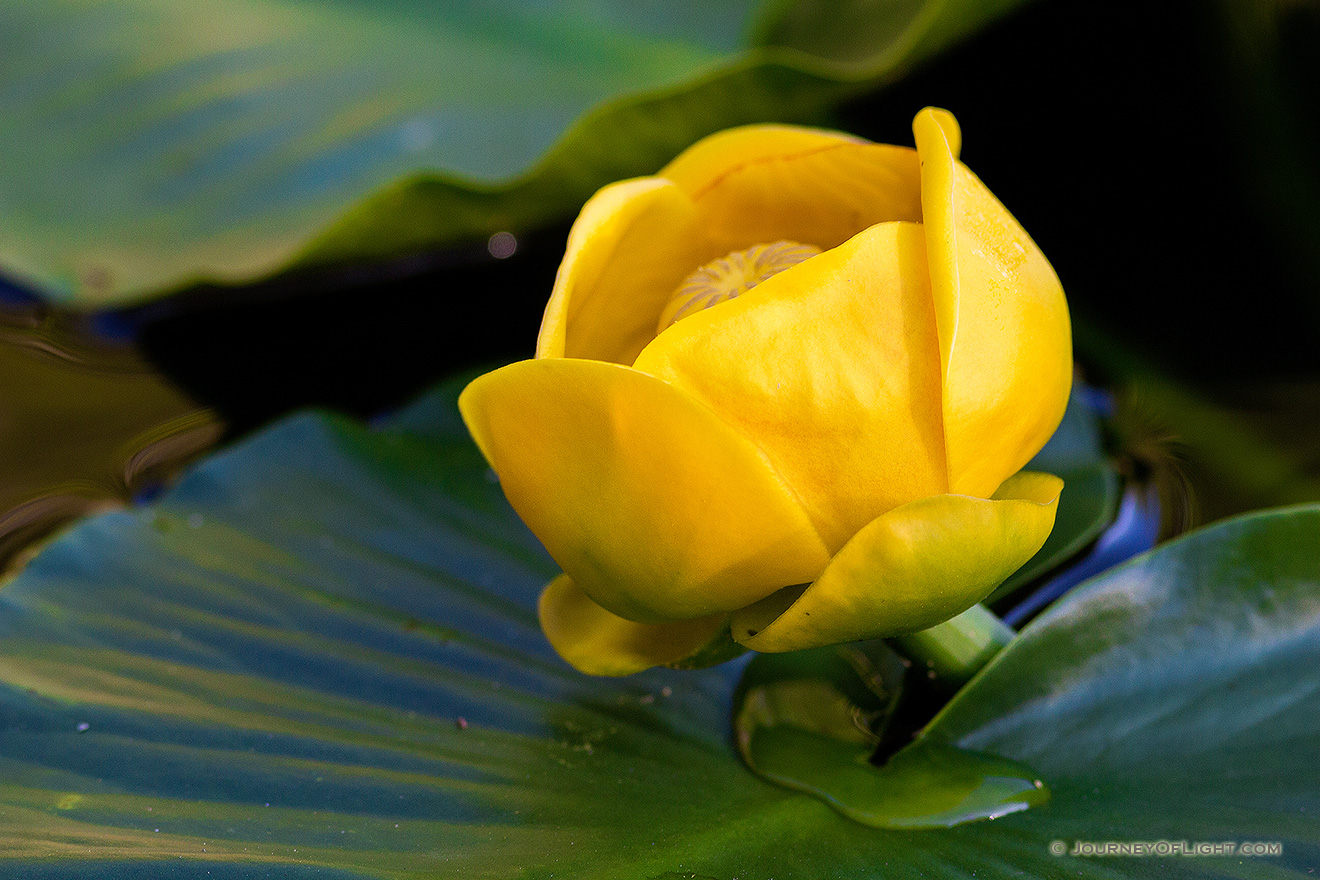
[(99, 409), (86, 423)]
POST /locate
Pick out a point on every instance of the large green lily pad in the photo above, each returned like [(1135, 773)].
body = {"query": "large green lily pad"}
[(319, 651), (149, 144)]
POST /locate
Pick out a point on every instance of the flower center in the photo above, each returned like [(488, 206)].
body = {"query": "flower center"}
[(732, 275)]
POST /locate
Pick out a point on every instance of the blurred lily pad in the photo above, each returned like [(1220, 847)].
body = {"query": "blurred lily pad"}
[(319, 651), (151, 145)]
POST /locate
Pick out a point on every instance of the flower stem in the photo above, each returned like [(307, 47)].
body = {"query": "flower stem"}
[(957, 649)]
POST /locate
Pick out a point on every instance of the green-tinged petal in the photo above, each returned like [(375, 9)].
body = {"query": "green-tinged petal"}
[(656, 508), (631, 247), (832, 368), (598, 642), (913, 567), (1005, 338), (764, 183)]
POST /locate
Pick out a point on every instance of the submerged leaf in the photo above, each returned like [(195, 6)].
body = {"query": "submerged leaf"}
[(812, 721)]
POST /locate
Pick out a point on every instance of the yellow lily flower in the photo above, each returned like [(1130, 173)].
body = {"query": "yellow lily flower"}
[(781, 397)]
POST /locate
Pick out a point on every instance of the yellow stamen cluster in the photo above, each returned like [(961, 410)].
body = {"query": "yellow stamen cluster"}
[(732, 275)]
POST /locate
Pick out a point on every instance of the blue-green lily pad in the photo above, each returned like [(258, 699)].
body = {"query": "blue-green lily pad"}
[(148, 145), (319, 650)]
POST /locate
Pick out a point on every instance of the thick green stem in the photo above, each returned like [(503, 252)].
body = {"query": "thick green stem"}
[(957, 649)]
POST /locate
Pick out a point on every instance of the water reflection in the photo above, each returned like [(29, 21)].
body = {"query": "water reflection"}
[(86, 424)]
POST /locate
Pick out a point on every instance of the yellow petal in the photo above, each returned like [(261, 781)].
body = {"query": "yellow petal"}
[(913, 567), (597, 642), (631, 246), (1005, 340), (832, 368), (713, 157), (656, 508), (759, 184)]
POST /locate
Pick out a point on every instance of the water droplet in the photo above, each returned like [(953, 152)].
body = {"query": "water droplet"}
[(502, 245), (417, 134)]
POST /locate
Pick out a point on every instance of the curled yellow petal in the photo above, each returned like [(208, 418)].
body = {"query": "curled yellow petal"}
[(1005, 338), (656, 508), (764, 183), (633, 243), (833, 367), (950, 132), (709, 160), (598, 642), (911, 568)]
